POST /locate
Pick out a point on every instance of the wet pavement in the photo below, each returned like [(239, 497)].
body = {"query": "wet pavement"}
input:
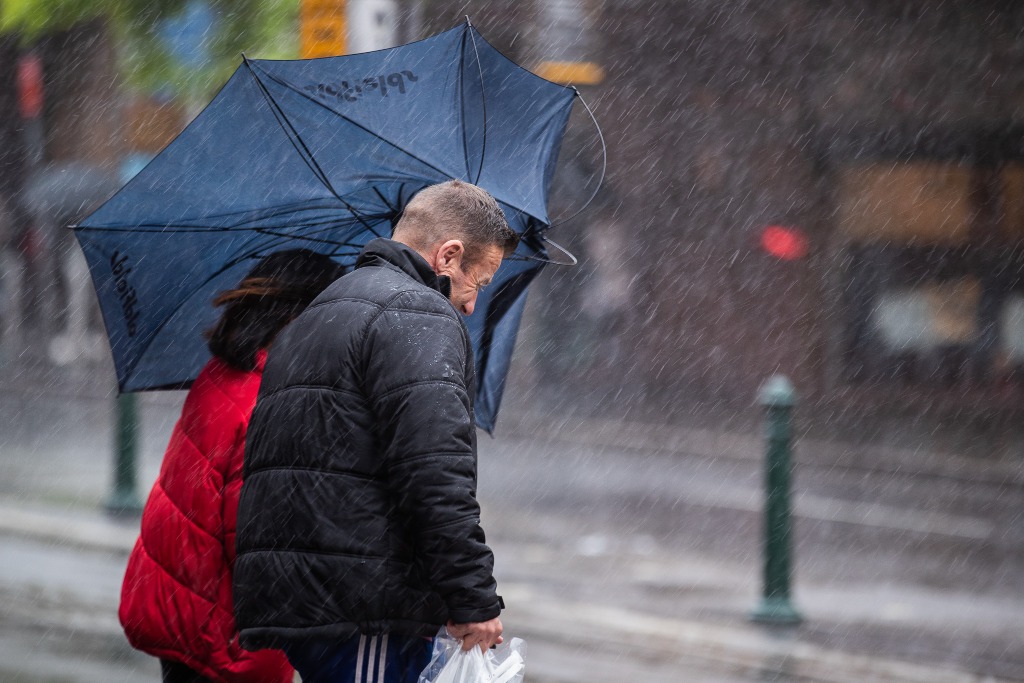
[(625, 551)]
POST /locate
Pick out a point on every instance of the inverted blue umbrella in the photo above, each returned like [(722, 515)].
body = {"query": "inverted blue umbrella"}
[(323, 154)]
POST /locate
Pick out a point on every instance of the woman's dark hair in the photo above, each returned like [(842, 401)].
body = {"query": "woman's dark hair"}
[(276, 290)]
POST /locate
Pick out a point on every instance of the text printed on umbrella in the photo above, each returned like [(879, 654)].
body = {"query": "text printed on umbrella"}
[(350, 91), (125, 292)]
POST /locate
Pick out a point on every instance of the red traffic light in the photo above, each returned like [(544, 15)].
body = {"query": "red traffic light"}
[(786, 243), (30, 86)]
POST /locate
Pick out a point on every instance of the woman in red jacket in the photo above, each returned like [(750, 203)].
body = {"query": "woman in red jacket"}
[(176, 598)]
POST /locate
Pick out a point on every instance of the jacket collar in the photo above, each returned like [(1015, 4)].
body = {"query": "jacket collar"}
[(261, 361), (385, 252)]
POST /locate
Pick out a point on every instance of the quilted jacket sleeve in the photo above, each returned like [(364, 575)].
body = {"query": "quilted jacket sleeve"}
[(176, 596), (232, 474), (417, 367)]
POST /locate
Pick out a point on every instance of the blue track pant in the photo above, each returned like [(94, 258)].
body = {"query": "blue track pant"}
[(386, 658)]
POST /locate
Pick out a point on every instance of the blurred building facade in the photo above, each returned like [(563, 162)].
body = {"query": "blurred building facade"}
[(889, 136), (69, 129)]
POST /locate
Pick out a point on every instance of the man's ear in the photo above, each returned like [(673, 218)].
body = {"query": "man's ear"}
[(448, 257)]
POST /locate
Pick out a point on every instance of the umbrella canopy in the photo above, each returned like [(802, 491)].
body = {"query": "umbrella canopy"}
[(323, 154)]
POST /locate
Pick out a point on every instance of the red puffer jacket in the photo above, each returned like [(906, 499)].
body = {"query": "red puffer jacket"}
[(176, 598)]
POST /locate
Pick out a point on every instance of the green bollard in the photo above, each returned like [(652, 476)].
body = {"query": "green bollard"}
[(778, 398), (124, 499)]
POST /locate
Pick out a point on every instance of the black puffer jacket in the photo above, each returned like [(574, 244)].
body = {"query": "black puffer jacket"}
[(358, 511)]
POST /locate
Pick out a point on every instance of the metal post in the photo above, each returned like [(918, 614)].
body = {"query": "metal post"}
[(778, 398), (124, 499)]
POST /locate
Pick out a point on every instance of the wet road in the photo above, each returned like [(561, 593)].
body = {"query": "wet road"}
[(58, 619), (58, 623), (917, 568), (617, 563)]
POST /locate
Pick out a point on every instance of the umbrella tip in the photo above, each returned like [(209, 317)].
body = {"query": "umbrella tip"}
[(469, 22)]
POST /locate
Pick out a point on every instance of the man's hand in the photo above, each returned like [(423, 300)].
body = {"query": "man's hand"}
[(485, 633)]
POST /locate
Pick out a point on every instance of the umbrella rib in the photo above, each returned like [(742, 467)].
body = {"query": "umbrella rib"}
[(163, 227), (384, 199), (262, 249), (604, 166), (355, 123), (307, 158), (163, 323), (462, 102), (483, 104), (339, 248), (270, 212), (230, 264), (282, 211), (284, 238), (309, 237), (328, 224), (282, 120)]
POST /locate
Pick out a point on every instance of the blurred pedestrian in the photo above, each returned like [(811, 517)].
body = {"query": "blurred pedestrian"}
[(176, 599), (359, 529)]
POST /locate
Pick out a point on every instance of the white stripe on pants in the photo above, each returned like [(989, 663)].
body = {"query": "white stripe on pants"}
[(359, 659), (368, 647), (370, 655), (382, 660)]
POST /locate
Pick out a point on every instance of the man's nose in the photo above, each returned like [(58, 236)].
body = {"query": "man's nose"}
[(467, 308)]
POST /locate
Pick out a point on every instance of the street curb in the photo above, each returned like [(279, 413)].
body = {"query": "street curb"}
[(704, 443), (746, 649), (91, 531)]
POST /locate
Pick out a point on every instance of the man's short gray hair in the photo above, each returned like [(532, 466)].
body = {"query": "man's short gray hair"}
[(456, 210)]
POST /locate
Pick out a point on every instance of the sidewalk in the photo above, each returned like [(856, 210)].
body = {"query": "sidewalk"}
[(597, 638), (596, 606)]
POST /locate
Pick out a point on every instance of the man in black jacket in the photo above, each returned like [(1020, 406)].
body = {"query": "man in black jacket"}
[(358, 525)]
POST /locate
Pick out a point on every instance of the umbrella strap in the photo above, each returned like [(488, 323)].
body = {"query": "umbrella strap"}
[(604, 164)]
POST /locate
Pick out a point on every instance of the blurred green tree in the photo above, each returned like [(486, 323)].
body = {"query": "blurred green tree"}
[(92, 52), (147, 57)]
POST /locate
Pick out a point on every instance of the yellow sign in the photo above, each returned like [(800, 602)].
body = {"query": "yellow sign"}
[(922, 202), (322, 28), (571, 73)]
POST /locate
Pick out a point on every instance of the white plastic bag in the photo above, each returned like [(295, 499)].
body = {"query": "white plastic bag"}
[(450, 664)]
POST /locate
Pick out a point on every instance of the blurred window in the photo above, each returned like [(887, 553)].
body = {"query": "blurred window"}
[(934, 271), (1011, 331)]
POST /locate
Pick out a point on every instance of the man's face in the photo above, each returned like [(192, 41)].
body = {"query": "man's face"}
[(468, 279)]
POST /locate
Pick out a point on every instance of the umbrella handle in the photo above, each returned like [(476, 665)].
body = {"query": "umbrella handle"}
[(572, 259), (571, 262)]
